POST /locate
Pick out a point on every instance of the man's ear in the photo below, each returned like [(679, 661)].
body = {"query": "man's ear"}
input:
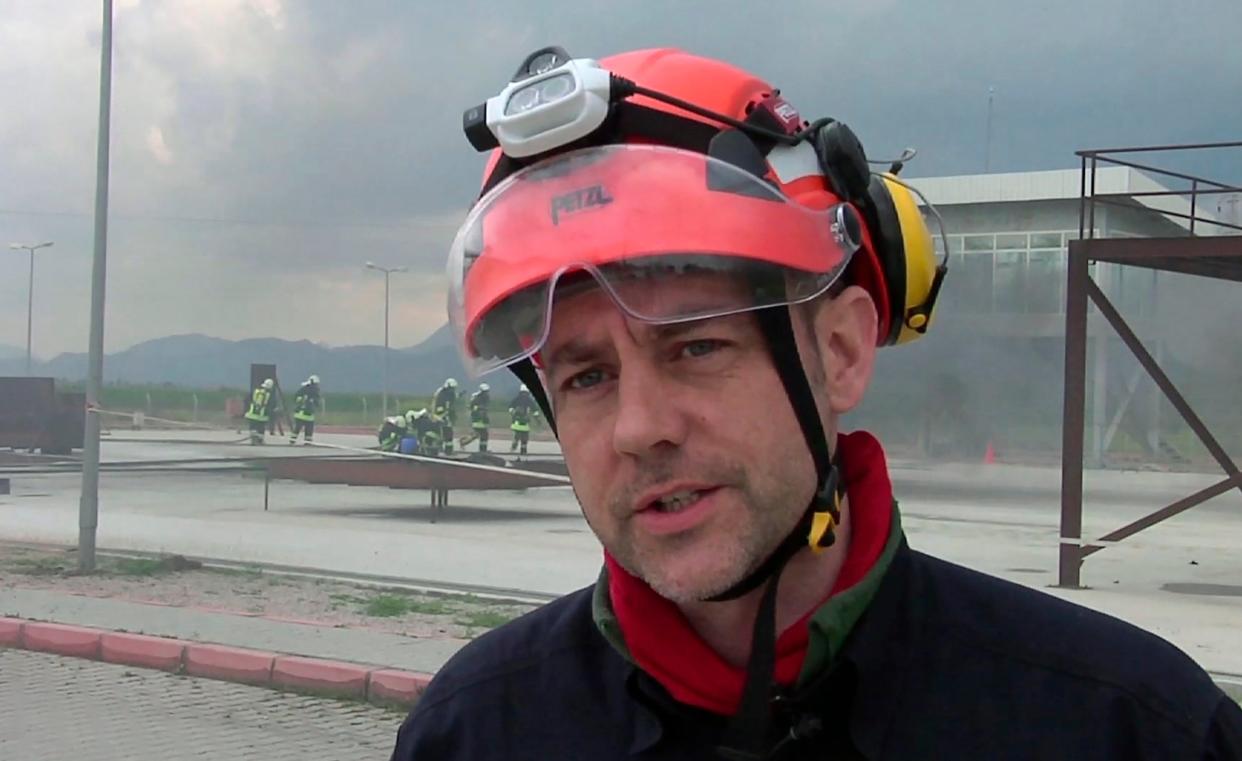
[(845, 330)]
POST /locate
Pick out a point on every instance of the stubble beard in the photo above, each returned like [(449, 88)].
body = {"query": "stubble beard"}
[(759, 515)]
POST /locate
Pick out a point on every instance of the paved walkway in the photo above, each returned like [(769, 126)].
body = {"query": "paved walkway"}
[(355, 645), (1181, 579), (68, 708)]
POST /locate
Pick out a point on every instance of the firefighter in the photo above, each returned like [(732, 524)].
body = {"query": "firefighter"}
[(391, 433), (444, 410), (425, 429), (521, 410), (479, 420), (259, 412), (276, 413), (306, 403)]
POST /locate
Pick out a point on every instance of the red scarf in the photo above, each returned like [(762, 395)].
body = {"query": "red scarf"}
[(663, 644)]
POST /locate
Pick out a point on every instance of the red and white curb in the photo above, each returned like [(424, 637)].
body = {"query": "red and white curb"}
[(233, 664)]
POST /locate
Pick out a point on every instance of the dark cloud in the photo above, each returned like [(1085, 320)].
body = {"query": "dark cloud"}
[(280, 142)]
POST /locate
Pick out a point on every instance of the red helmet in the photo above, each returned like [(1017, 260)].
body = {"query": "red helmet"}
[(635, 203)]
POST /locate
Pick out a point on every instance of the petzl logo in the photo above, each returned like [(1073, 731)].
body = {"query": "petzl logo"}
[(579, 200)]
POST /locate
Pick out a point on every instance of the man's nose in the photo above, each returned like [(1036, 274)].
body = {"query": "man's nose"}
[(648, 416)]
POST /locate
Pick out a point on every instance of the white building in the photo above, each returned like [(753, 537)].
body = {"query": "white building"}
[(1008, 238)]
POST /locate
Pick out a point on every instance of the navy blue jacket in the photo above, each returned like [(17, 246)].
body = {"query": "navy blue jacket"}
[(945, 663)]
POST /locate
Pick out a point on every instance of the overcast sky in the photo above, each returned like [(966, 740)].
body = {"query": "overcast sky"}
[(262, 150)]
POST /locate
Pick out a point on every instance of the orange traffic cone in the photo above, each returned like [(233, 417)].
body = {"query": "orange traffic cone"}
[(989, 455)]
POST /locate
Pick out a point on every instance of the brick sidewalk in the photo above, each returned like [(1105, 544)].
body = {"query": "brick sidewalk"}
[(68, 708)]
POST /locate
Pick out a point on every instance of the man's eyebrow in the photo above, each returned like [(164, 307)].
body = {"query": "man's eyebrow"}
[(675, 329), (573, 351), (579, 351)]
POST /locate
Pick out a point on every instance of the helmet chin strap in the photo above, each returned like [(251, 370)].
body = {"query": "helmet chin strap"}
[(777, 326), (747, 736)]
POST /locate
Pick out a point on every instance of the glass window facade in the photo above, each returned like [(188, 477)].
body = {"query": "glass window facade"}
[(1024, 273)]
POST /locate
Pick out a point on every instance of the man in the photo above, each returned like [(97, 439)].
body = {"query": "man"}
[(306, 403), (694, 293), (276, 413), (521, 410), (424, 429), (444, 408), (259, 412), (391, 432), (480, 415)]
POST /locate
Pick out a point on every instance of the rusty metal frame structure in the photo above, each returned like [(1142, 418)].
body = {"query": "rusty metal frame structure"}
[(1218, 256)]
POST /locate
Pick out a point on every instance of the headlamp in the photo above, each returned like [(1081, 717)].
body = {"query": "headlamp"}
[(541, 61), (546, 91), (552, 100)]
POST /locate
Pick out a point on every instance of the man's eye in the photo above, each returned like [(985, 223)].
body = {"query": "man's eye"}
[(701, 347), (585, 379)]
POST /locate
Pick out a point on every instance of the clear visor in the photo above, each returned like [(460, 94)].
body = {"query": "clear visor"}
[(716, 239)]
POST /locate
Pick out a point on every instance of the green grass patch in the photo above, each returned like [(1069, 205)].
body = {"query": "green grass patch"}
[(140, 567), (387, 606), (483, 619), (430, 607), (38, 566), (391, 605)]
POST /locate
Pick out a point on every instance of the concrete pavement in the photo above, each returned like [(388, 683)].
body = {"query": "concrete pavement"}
[(1182, 579), (375, 648), (67, 708)]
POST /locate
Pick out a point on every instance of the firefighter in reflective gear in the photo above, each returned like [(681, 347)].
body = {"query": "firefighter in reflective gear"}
[(306, 403), (259, 411), (444, 409), (521, 410), (276, 412), (479, 420), (391, 433), (424, 428)]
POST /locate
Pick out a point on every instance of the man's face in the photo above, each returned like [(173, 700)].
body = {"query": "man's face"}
[(683, 448)]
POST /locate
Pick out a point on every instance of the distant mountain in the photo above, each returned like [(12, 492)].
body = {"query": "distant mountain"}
[(200, 361), (439, 341), (12, 352)]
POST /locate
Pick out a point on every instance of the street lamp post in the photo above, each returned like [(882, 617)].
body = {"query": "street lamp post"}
[(88, 504), (29, 293), (388, 271)]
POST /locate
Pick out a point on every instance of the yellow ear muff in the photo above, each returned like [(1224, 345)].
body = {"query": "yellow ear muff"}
[(921, 268)]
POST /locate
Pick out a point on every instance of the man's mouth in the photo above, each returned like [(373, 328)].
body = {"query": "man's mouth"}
[(678, 501), (676, 509)]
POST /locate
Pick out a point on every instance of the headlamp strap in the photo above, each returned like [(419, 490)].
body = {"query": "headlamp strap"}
[(627, 120)]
